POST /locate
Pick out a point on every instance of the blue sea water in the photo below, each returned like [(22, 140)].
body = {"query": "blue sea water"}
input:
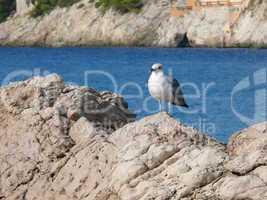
[(225, 88)]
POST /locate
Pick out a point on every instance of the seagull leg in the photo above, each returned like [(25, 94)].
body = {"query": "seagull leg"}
[(169, 108), (160, 105)]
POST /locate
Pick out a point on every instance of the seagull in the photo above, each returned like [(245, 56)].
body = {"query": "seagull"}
[(165, 88)]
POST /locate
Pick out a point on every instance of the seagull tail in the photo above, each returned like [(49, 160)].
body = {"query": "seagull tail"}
[(185, 105), (181, 103)]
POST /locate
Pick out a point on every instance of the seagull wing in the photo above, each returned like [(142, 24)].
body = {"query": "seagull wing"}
[(178, 98)]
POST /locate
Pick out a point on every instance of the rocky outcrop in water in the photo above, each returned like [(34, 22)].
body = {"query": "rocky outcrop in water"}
[(53, 145), (83, 24)]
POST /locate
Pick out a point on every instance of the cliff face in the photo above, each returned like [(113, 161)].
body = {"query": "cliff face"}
[(51, 147), (83, 24), (23, 6), (252, 25)]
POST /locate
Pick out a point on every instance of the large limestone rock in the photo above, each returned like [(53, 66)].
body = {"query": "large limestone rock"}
[(159, 158), (42, 119), (83, 24), (51, 147)]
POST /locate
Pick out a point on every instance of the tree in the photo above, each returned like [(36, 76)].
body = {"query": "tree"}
[(43, 7), (122, 6), (6, 8)]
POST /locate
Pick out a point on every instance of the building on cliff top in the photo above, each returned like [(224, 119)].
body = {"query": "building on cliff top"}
[(180, 7)]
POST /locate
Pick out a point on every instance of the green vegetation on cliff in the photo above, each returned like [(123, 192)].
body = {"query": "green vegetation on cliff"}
[(122, 6), (43, 7), (6, 7)]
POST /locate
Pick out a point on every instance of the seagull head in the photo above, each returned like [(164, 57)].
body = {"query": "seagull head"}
[(157, 68)]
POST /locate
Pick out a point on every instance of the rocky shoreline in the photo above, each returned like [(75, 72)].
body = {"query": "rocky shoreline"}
[(65, 142), (84, 25)]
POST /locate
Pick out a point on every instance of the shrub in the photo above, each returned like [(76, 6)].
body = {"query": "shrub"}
[(43, 7), (6, 8), (66, 3), (122, 6)]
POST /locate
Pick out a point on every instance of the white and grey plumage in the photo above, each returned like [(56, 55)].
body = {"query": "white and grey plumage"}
[(165, 88)]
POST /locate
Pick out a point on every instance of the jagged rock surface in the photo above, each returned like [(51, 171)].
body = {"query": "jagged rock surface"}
[(83, 24), (37, 120), (50, 148), (245, 174)]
